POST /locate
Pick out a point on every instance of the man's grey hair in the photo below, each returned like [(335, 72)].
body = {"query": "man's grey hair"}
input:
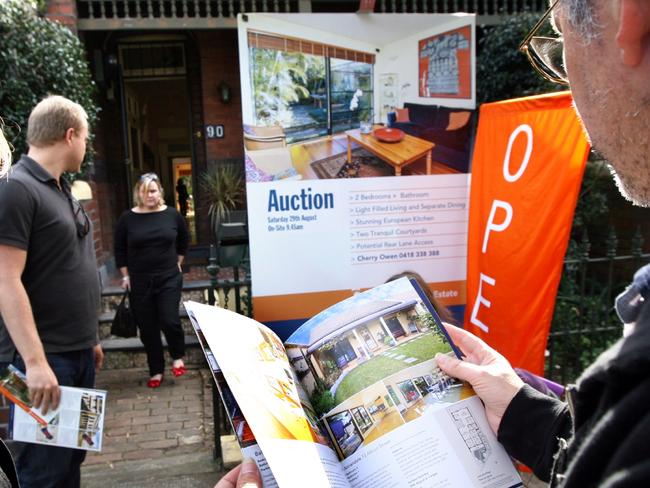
[(583, 17)]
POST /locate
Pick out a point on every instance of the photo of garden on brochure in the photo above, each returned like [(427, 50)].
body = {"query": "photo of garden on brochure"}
[(354, 397), (78, 422)]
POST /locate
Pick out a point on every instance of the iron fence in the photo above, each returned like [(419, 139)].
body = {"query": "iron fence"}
[(584, 321)]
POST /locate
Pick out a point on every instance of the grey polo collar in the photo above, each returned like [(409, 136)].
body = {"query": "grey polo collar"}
[(36, 169)]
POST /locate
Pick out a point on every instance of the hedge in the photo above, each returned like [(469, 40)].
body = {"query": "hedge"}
[(39, 58)]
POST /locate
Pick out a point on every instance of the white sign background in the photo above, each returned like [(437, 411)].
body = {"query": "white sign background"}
[(376, 227)]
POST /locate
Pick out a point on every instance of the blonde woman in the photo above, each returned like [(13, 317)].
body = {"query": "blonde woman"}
[(151, 240)]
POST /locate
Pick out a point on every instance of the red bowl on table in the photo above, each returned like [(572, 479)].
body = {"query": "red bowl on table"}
[(387, 134)]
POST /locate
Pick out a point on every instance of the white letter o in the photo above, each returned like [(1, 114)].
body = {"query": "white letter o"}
[(509, 177)]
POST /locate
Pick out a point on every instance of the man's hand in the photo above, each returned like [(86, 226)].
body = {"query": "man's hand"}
[(99, 357), (44, 391), (489, 373), (246, 475)]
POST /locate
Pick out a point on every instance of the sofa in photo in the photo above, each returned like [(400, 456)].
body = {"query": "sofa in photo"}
[(451, 129)]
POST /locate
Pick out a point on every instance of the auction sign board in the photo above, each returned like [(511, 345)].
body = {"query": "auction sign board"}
[(328, 215)]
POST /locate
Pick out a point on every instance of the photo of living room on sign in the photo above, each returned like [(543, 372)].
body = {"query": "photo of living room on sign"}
[(339, 96)]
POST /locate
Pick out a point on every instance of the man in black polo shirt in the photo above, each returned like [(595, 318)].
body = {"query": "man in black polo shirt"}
[(49, 287)]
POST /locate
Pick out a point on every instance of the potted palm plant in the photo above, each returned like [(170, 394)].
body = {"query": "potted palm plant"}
[(224, 190)]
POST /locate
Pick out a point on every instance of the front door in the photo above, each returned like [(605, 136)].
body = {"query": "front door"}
[(159, 132)]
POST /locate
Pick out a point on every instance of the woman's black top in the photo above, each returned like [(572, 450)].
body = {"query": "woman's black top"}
[(150, 242)]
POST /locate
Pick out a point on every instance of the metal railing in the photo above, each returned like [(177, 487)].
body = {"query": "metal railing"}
[(483, 8), (172, 14), (203, 14), (584, 321), (224, 292)]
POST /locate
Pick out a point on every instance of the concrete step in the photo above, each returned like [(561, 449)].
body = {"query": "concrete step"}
[(106, 320), (129, 353), (192, 290), (122, 353), (195, 291)]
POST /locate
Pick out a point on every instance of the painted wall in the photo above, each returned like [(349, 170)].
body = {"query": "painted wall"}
[(401, 57)]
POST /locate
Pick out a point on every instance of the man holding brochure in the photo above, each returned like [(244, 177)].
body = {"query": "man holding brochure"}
[(49, 287), (601, 437)]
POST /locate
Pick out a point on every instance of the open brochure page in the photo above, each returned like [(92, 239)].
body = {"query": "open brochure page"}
[(255, 366), (78, 422), (240, 426), (396, 420)]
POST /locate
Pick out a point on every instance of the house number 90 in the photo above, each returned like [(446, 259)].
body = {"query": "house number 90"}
[(214, 131)]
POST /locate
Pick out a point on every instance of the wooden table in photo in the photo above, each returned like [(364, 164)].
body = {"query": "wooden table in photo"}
[(397, 154)]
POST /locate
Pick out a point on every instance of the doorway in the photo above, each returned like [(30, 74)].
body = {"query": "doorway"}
[(158, 121)]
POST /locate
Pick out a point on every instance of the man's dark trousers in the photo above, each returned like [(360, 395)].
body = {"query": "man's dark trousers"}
[(41, 466)]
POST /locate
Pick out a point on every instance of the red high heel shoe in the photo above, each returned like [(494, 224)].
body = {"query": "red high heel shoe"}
[(154, 383), (179, 371)]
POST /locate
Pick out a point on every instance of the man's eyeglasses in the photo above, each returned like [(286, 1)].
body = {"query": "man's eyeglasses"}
[(546, 54), (81, 219)]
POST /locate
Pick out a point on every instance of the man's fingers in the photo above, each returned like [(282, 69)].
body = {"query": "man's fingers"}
[(249, 476), (246, 475), (56, 397), (46, 402), (230, 480), (36, 396), (43, 387), (456, 368), (473, 347), (50, 399)]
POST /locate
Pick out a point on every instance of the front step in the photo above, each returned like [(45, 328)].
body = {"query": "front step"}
[(129, 353), (193, 290), (122, 352)]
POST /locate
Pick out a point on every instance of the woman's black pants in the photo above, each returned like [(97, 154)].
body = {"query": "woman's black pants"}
[(155, 299)]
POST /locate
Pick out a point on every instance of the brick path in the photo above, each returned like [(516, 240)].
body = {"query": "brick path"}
[(142, 422), (155, 434)]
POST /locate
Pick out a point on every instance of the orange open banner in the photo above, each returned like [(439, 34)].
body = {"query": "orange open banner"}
[(529, 158)]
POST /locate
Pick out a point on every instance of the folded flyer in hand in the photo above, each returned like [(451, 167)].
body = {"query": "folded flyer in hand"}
[(78, 422)]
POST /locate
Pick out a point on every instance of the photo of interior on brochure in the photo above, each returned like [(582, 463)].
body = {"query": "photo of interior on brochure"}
[(354, 397)]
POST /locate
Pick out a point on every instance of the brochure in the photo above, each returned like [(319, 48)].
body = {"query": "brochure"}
[(78, 422), (354, 397)]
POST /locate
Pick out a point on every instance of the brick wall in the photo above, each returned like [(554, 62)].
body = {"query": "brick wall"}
[(92, 208), (219, 62), (64, 12)]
